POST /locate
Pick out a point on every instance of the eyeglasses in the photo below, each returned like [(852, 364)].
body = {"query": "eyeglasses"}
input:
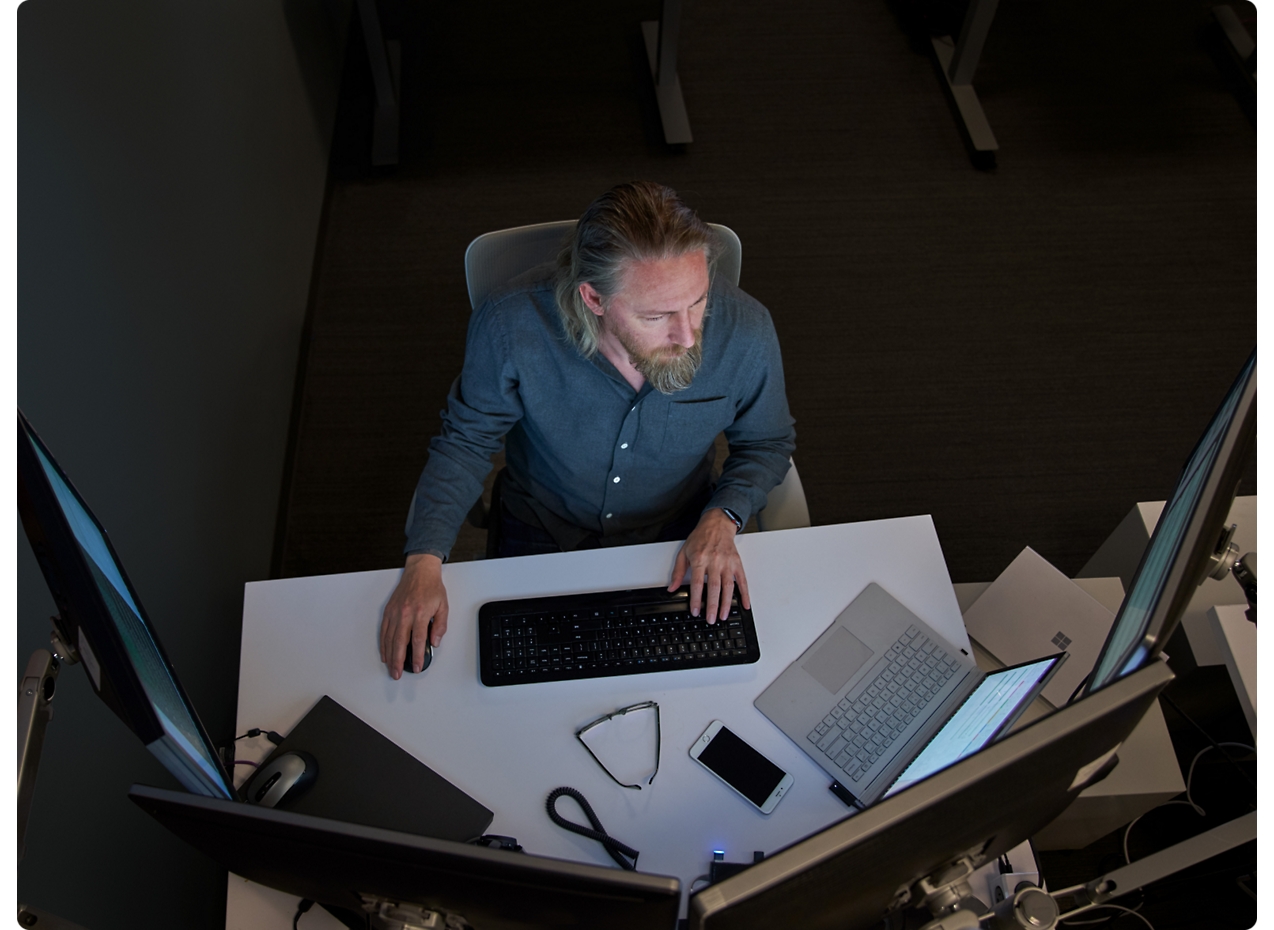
[(644, 705)]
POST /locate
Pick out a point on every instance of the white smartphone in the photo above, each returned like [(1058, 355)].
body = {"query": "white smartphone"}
[(741, 767)]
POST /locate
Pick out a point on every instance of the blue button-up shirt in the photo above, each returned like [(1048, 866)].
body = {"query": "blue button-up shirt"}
[(585, 453)]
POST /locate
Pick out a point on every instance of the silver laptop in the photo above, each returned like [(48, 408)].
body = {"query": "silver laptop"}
[(880, 685)]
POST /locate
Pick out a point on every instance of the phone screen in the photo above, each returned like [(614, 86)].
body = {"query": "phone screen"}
[(750, 773)]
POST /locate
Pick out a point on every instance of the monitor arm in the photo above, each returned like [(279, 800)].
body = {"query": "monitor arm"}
[(384, 914), (1154, 867), (1032, 908), (1225, 560), (35, 710)]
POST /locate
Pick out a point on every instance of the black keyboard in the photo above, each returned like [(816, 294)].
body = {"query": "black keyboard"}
[(607, 633)]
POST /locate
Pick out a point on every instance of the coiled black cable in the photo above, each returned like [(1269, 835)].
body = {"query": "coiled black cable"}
[(618, 851)]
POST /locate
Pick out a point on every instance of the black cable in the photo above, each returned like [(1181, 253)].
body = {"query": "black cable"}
[(1208, 737), (301, 907), (257, 731), (1083, 681), (618, 851), (226, 749), (496, 841)]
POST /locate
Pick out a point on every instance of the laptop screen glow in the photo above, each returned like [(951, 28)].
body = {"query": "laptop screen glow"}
[(977, 721)]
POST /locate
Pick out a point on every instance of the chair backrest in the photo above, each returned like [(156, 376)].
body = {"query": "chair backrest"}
[(785, 506), (495, 258)]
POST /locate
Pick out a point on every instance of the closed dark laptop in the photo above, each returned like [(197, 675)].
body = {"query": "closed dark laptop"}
[(367, 779)]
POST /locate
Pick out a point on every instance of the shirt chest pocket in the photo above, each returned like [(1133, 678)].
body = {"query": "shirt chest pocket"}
[(693, 426)]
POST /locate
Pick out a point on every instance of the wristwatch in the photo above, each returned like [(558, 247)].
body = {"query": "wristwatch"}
[(738, 524)]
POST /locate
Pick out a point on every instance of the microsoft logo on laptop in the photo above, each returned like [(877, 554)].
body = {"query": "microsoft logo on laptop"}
[(1061, 640)]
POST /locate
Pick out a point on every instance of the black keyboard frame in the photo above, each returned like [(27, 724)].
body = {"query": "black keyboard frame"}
[(581, 616)]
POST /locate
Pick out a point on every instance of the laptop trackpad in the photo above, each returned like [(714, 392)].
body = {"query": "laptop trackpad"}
[(837, 659)]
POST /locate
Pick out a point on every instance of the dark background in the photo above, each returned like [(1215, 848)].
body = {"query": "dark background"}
[(172, 164), (1022, 353)]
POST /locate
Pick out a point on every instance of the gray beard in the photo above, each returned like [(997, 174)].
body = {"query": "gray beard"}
[(669, 375)]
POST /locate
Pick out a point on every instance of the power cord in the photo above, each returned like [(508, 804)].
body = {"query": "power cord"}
[(1208, 736), (257, 731), (1117, 907), (301, 907), (1189, 801), (226, 749), (1079, 687), (617, 850)]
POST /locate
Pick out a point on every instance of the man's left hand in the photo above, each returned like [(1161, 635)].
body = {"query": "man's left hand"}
[(710, 554)]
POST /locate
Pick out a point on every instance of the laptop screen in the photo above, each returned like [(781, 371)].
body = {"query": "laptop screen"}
[(995, 703)]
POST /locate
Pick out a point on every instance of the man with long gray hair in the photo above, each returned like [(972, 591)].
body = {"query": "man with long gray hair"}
[(610, 377)]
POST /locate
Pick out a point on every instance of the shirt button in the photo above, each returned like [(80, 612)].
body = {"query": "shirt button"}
[(617, 479), (623, 445), (609, 515)]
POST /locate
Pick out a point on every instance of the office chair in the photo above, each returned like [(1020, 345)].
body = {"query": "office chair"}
[(495, 258)]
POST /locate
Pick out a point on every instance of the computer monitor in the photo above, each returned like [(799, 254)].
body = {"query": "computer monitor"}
[(102, 618), (343, 865), (1180, 553), (851, 874)]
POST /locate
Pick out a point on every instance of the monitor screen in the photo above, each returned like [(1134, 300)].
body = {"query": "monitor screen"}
[(848, 876), (341, 865), (1177, 557), (102, 616)]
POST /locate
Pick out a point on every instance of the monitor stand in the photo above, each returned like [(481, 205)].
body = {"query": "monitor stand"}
[(391, 915), (35, 710)]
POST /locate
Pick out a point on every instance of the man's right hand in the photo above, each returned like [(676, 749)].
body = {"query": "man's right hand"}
[(419, 598)]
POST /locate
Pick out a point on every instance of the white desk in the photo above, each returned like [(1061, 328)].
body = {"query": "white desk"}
[(509, 747)]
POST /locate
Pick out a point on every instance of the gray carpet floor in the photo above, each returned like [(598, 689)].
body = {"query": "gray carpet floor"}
[(1023, 353)]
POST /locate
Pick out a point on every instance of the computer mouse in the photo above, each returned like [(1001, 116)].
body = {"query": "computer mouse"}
[(284, 778), (408, 656)]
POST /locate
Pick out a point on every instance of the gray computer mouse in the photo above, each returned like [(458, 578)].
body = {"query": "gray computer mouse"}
[(285, 777)]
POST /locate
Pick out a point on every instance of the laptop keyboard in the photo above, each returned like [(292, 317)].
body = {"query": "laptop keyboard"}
[(607, 633), (862, 726)]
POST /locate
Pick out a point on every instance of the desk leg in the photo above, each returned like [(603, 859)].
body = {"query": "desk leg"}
[(661, 51), (957, 62), (385, 59)]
